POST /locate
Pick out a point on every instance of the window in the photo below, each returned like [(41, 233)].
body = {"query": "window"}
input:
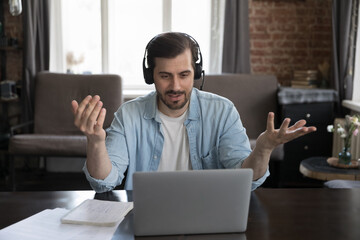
[(81, 35), (109, 36), (131, 25)]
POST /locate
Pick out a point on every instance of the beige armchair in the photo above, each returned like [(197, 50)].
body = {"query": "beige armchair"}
[(253, 96), (54, 133)]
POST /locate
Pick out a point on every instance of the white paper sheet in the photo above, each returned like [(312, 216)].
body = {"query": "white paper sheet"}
[(47, 225)]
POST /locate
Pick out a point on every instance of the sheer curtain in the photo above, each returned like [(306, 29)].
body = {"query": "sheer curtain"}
[(216, 35), (57, 60)]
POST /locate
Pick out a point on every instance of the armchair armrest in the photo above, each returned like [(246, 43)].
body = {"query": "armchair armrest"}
[(19, 126)]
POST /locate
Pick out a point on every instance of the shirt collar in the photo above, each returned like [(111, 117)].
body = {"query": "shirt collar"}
[(150, 106), (194, 109)]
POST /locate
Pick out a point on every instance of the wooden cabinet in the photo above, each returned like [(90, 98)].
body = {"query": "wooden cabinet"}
[(316, 106)]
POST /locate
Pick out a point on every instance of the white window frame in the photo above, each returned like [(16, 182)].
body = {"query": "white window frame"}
[(57, 59), (104, 36)]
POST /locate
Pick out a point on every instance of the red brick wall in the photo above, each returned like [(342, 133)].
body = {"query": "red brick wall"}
[(13, 28), (288, 35)]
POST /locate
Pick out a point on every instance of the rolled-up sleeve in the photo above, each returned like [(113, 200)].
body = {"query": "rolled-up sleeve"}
[(260, 181), (108, 184)]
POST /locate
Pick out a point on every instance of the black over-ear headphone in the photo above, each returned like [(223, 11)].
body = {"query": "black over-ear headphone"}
[(149, 72)]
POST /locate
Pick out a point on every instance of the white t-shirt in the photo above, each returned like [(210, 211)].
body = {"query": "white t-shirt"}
[(175, 154)]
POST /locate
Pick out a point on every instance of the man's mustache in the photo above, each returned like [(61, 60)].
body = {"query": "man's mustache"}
[(175, 92)]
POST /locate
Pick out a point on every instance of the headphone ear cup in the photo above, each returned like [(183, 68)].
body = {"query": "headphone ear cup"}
[(148, 74), (198, 66), (198, 70)]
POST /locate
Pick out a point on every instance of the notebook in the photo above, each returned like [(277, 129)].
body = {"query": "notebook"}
[(98, 213), (191, 202)]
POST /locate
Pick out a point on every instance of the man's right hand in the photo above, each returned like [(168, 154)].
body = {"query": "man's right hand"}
[(89, 117)]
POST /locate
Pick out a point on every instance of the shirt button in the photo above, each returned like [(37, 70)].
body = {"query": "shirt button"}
[(155, 157)]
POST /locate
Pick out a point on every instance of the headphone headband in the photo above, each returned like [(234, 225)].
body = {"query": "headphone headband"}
[(148, 72)]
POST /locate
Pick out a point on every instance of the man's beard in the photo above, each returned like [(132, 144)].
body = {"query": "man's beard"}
[(174, 105)]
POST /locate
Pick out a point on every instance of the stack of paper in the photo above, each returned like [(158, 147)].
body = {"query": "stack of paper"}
[(48, 224)]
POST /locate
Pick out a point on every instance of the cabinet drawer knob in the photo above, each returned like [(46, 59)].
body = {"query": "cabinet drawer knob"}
[(306, 147), (308, 115)]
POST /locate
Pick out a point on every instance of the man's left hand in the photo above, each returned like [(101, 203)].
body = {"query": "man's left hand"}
[(272, 137)]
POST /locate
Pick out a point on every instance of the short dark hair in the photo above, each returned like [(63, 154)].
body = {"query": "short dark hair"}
[(170, 45)]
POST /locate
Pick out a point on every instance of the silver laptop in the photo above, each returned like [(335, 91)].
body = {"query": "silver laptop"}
[(191, 202)]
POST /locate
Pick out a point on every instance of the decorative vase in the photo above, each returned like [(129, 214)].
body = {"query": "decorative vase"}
[(345, 156)]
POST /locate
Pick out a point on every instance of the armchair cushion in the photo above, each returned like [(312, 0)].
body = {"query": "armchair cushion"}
[(48, 145)]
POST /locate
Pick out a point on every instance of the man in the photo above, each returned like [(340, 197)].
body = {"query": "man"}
[(175, 127)]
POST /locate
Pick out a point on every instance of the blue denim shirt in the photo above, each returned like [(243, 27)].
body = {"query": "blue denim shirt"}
[(217, 138)]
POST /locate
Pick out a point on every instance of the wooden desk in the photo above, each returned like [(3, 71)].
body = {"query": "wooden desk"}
[(274, 213), (318, 168)]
